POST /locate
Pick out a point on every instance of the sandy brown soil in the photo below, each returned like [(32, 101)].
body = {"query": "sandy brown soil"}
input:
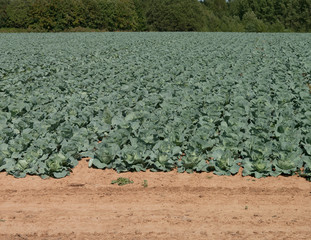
[(174, 206)]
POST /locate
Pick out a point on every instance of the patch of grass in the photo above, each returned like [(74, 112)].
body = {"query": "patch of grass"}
[(145, 183), (82, 29), (122, 181), (13, 30)]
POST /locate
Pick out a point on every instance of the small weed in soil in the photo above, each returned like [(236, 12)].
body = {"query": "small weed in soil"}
[(122, 181), (145, 183), (2, 220)]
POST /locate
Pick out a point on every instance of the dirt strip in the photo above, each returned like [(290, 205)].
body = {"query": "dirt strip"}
[(171, 205)]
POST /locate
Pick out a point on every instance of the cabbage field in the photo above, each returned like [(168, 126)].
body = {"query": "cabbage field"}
[(160, 101)]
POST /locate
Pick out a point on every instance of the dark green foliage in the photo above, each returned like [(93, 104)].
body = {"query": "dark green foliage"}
[(275, 15), (252, 23), (179, 15), (156, 15), (60, 15), (4, 18)]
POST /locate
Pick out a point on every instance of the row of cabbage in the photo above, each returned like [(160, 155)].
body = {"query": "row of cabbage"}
[(159, 101)]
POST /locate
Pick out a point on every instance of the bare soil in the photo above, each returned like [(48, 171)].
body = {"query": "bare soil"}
[(85, 205)]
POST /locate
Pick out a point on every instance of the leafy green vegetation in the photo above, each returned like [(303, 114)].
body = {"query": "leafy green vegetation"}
[(145, 183), (122, 181), (203, 102), (156, 15)]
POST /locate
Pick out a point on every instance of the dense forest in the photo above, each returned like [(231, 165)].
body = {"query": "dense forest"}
[(157, 15)]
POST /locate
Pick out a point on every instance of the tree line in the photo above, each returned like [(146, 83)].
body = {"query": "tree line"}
[(157, 15)]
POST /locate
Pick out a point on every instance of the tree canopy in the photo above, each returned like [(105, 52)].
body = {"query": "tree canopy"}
[(157, 15)]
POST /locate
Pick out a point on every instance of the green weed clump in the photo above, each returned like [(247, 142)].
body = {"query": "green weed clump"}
[(122, 181)]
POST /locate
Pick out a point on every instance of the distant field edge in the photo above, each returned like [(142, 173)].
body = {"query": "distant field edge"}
[(81, 29)]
